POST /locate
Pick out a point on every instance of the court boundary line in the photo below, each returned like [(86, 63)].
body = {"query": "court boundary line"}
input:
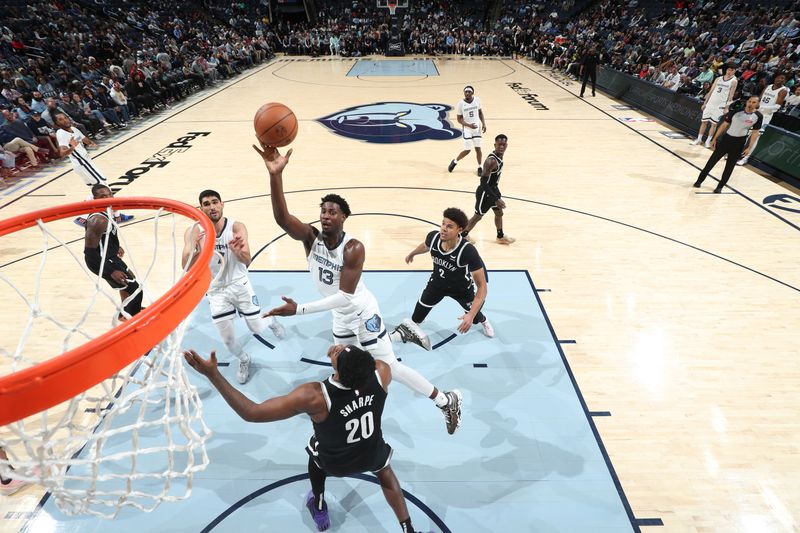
[(667, 149), (606, 458)]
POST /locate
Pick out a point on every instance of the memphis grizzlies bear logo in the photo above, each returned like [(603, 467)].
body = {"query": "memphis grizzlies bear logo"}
[(393, 122), (373, 324)]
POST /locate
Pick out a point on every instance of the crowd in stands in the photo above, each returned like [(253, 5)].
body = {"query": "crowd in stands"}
[(694, 42), (105, 66)]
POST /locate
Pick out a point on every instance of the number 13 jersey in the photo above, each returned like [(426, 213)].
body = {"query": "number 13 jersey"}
[(325, 266)]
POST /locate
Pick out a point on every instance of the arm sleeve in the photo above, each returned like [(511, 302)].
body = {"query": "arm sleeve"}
[(339, 299), (429, 239)]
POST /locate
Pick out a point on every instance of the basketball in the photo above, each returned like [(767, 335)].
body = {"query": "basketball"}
[(275, 124)]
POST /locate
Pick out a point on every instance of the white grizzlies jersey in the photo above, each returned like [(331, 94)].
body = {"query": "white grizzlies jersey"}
[(326, 267), (469, 110), (769, 100), (233, 269), (722, 90)]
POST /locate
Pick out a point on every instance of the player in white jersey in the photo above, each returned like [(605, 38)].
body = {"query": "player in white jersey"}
[(772, 99), (468, 112), (336, 262), (73, 143), (231, 291), (717, 100)]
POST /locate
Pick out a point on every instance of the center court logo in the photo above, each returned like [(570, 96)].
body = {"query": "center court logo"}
[(393, 122)]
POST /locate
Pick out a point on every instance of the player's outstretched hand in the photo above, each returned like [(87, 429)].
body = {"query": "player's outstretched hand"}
[(273, 159), (409, 259), (287, 309), (204, 366), (466, 323), (237, 243)]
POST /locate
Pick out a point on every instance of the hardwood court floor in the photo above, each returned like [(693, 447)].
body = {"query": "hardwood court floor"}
[(683, 305)]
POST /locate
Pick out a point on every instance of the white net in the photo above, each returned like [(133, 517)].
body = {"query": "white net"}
[(137, 438)]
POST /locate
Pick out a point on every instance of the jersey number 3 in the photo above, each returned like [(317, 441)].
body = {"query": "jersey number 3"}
[(325, 276), (367, 428)]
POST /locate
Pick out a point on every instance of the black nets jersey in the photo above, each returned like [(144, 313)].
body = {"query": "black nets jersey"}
[(491, 183), (453, 270), (113, 240), (352, 431)]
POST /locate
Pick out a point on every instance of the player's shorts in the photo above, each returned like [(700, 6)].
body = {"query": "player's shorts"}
[(85, 168), (119, 264), (370, 462), (472, 137), (238, 296), (483, 201), (713, 111), (433, 294), (365, 326), (766, 118)]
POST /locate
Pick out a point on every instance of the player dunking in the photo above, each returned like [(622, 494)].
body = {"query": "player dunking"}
[(345, 411), (230, 291), (457, 271), (487, 195), (336, 261), (468, 111), (101, 248)]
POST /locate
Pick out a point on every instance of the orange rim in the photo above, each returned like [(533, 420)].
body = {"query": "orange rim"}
[(32, 390)]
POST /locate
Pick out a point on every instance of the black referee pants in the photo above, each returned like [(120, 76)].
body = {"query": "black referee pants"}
[(589, 73), (726, 145)]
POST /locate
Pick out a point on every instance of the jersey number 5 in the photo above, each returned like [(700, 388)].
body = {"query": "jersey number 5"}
[(367, 428), (325, 276)]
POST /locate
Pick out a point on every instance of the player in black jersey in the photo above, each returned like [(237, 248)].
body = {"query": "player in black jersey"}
[(488, 196), (115, 271), (457, 271), (345, 410)]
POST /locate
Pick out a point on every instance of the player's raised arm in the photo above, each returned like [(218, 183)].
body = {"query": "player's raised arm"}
[(275, 163), (306, 398), (192, 238)]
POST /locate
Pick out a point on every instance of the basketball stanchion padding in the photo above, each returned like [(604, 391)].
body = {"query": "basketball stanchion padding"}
[(113, 422)]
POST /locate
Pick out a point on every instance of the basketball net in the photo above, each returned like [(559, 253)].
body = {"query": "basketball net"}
[(392, 8), (136, 438)]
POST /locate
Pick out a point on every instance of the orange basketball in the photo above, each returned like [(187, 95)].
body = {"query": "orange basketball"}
[(275, 124)]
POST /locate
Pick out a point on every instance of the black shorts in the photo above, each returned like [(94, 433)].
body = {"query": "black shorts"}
[(372, 462), (119, 264), (484, 201), (433, 294)]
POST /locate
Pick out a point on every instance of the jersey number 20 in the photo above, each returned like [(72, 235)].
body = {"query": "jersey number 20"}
[(366, 424)]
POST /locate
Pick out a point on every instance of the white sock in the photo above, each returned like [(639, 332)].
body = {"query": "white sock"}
[(454, 162), (441, 400)]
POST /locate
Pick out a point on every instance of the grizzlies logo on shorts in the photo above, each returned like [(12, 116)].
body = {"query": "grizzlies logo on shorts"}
[(373, 324)]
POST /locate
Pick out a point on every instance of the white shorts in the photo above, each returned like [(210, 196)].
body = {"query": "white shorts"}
[(365, 327), (85, 168), (472, 137), (238, 296), (713, 112)]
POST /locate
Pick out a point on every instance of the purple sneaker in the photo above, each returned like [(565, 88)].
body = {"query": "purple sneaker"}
[(321, 518)]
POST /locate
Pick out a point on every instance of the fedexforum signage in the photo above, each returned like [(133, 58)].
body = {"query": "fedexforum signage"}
[(157, 160), (527, 95)]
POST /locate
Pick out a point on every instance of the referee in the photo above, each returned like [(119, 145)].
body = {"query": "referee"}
[(730, 139)]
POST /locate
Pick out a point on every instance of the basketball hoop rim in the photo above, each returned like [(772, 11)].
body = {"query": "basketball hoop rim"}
[(60, 378)]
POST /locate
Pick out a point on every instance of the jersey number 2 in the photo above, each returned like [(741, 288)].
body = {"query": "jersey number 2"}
[(325, 276), (367, 428)]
